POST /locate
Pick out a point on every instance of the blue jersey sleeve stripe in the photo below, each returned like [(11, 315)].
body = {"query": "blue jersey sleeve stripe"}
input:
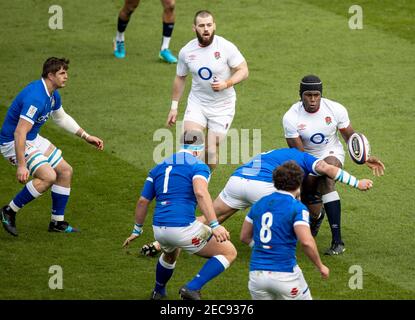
[(149, 179), (27, 119)]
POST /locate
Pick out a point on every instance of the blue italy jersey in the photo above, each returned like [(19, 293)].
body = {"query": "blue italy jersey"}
[(33, 104), (171, 182), (273, 218), (261, 166)]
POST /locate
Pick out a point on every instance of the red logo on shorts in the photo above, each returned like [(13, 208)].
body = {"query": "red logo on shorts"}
[(294, 292), (217, 55), (196, 241)]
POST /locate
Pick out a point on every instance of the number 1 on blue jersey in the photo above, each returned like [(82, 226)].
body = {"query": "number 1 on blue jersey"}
[(166, 179)]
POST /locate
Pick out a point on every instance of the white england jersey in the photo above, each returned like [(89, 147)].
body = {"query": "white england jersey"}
[(208, 64), (318, 131)]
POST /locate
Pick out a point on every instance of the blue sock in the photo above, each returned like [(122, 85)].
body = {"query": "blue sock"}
[(164, 271), (213, 267), (60, 197), (27, 194)]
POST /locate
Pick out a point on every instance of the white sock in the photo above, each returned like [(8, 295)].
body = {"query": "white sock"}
[(166, 42), (120, 36)]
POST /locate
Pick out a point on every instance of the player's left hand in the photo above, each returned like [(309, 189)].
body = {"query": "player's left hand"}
[(97, 142), (378, 168), (219, 85), (221, 234), (129, 239)]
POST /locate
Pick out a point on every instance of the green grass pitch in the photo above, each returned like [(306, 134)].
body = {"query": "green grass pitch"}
[(370, 71)]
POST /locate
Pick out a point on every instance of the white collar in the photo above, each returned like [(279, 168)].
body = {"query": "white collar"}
[(46, 88)]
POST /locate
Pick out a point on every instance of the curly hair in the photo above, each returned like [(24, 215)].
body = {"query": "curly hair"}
[(288, 176)]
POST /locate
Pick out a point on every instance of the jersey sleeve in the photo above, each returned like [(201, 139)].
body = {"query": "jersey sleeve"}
[(148, 190), (310, 162), (31, 110), (58, 101), (342, 116), (289, 125), (250, 216), (201, 170), (301, 215), (235, 57), (182, 68)]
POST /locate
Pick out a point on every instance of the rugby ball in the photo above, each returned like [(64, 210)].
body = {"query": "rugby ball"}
[(359, 148)]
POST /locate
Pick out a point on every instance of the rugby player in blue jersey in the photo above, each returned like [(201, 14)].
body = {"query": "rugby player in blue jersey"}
[(23, 146), (273, 226), (253, 180), (178, 184)]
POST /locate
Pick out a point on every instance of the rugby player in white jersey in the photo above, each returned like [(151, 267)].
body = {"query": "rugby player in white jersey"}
[(311, 125), (216, 65)]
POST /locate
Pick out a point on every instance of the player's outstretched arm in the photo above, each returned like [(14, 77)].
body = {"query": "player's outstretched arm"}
[(65, 121), (338, 174), (178, 88), (309, 246), (140, 216), (204, 200)]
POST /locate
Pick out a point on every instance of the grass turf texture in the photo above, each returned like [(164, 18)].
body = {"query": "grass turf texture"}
[(370, 71)]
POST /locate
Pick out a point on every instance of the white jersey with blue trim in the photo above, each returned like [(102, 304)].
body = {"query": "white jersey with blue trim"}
[(261, 166), (33, 104), (171, 183), (318, 130), (209, 64), (273, 218)]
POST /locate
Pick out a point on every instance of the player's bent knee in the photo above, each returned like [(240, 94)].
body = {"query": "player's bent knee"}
[(48, 176), (64, 171), (230, 252)]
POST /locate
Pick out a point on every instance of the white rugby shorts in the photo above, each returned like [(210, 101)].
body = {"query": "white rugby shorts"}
[(241, 193), (39, 144), (269, 285), (192, 238), (217, 118)]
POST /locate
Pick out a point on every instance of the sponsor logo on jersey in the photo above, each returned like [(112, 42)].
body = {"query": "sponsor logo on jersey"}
[(192, 57), (43, 118), (301, 126), (328, 120), (217, 55), (31, 112)]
